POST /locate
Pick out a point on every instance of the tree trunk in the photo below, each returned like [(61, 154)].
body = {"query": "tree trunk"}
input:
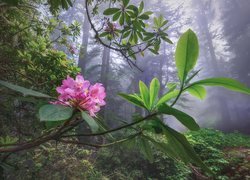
[(104, 76), (222, 102), (82, 61)]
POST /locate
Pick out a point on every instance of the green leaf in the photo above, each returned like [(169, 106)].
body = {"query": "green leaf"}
[(125, 2), (154, 91), (51, 112), (148, 13), (192, 76), (144, 93), (121, 20), (146, 149), (165, 148), (227, 83), (52, 124), (110, 11), (166, 97), (126, 34), (24, 91), (141, 6), (156, 22), (151, 125), (182, 147), (171, 86), (90, 121), (164, 22), (184, 118), (166, 39), (116, 16), (144, 17), (127, 18), (197, 91), (133, 99), (132, 7), (186, 54), (104, 34)]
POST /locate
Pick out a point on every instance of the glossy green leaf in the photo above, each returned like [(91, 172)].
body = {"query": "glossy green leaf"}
[(121, 20), (126, 34), (127, 18), (110, 11), (51, 112), (171, 86), (166, 39), (24, 91), (104, 34), (116, 16), (125, 2), (184, 118), (148, 13), (168, 96), (141, 7), (152, 125), (192, 76), (52, 124), (133, 99), (165, 148), (145, 148), (227, 83), (90, 121), (144, 93), (144, 17), (186, 54), (183, 148), (197, 91), (154, 91)]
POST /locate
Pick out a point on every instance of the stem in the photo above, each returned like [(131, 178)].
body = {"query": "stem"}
[(59, 134), (115, 129), (178, 96), (101, 145)]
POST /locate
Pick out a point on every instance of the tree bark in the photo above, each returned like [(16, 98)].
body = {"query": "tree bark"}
[(82, 61)]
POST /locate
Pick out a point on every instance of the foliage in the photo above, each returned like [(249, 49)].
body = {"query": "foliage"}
[(209, 145), (54, 5), (28, 54), (53, 162), (176, 145), (128, 30), (36, 64)]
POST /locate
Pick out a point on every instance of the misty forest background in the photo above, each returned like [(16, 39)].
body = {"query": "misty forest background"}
[(28, 37), (223, 32)]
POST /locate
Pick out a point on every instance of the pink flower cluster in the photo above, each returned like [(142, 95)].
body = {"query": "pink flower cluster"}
[(80, 94)]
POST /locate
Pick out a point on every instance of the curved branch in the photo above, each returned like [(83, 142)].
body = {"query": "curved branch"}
[(115, 129), (41, 139), (67, 126), (101, 145), (121, 50)]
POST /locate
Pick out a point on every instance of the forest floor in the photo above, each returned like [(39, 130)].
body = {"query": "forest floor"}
[(239, 158)]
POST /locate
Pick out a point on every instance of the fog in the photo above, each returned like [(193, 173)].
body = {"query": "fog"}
[(223, 30)]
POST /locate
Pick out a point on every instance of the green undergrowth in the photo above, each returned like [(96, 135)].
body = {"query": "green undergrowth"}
[(227, 155)]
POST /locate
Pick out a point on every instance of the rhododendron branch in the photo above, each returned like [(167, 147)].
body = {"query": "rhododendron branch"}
[(50, 135), (121, 50), (58, 134), (178, 96), (115, 129), (102, 145)]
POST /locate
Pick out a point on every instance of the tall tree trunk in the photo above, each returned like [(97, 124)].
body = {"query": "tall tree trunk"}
[(82, 61), (105, 66), (203, 25), (104, 76)]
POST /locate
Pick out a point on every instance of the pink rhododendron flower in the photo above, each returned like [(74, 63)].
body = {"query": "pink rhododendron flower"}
[(80, 94)]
